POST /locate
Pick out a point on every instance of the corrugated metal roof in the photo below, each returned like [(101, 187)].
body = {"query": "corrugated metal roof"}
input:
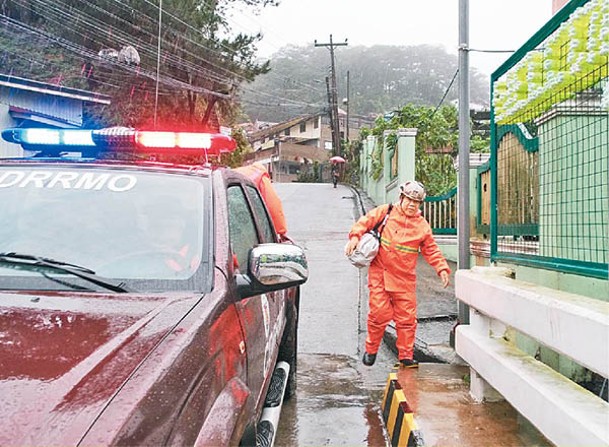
[(51, 89), (282, 126)]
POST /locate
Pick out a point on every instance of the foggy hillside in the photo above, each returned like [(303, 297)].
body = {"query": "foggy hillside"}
[(382, 78)]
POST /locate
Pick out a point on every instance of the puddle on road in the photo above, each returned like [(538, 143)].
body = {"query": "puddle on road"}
[(338, 403), (332, 406)]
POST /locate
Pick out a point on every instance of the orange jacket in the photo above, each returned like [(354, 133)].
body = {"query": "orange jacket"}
[(401, 240), (262, 180)]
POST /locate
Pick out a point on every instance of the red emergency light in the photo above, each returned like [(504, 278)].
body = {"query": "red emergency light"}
[(155, 141), (213, 143)]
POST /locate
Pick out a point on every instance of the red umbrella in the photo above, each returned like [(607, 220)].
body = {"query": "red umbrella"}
[(337, 159)]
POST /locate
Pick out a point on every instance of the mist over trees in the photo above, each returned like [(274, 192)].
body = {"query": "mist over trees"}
[(382, 79)]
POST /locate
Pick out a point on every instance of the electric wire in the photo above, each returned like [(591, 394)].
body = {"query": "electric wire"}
[(152, 51), (445, 93), (57, 12), (92, 55)]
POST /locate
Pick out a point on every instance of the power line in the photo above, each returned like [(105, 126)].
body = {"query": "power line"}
[(445, 93), (96, 29)]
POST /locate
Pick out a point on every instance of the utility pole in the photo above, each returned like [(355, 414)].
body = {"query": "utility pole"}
[(464, 135), (334, 95), (330, 112), (347, 106)]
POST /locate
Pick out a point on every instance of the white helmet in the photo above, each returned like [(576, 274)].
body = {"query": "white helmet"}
[(413, 190)]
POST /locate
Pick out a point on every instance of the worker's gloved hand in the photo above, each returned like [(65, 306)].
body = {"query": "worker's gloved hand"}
[(351, 246), (445, 277), (284, 238)]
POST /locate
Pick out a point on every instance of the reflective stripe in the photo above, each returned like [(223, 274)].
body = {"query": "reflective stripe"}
[(398, 247), (406, 249)]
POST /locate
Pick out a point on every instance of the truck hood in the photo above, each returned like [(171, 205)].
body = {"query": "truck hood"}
[(63, 356)]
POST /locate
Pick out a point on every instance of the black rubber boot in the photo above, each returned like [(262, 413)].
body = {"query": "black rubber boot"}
[(369, 359), (409, 363)]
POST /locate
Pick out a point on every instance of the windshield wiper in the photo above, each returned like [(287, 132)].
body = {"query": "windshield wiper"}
[(25, 260)]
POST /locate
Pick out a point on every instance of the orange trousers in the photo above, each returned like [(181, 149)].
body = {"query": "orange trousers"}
[(400, 307)]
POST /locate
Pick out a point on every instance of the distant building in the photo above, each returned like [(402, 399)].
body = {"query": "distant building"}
[(24, 102), (289, 147)]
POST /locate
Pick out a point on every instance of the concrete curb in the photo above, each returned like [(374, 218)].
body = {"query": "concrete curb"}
[(398, 416)]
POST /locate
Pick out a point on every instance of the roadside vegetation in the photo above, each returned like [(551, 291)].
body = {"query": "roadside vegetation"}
[(436, 144)]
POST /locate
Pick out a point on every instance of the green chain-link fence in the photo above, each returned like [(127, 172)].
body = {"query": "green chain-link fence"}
[(550, 146)]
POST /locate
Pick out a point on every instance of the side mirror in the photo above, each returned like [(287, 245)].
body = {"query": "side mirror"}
[(273, 267)]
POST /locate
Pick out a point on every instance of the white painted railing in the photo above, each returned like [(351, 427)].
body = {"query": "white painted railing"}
[(571, 325)]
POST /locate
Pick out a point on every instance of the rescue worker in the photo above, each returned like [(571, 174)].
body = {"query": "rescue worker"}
[(259, 175), (392, 273)]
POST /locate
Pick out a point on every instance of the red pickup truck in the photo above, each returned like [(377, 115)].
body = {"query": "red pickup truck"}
[(141, 303)]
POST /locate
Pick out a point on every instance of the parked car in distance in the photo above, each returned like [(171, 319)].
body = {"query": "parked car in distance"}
[(141, 303)]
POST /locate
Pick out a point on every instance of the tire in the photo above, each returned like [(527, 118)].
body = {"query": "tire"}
[(249, 437), (288, 349)]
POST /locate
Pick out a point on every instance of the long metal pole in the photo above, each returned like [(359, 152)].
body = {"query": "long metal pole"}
[(348, 101), (158, 63), (463, 219)]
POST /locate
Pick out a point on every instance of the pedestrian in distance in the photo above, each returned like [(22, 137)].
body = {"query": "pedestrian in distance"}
[(392, 273), (259, 175), (335, 175)]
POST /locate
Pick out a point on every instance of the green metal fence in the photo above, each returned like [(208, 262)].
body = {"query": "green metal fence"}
[(550, 146), (441, 212)]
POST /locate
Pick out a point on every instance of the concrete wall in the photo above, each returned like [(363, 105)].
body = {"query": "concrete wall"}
[(385, 188)]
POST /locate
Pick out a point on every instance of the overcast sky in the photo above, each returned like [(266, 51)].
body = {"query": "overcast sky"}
[(494, 24)]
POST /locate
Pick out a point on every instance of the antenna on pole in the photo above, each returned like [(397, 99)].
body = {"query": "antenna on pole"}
[(335, 125)]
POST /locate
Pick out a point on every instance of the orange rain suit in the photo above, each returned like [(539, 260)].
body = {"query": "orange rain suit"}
[(392, 274), (258, 174)]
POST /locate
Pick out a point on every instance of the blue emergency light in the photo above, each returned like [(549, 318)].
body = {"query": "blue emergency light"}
[(49, 137)]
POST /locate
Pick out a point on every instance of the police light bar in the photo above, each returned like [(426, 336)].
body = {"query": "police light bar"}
[(122, 139)]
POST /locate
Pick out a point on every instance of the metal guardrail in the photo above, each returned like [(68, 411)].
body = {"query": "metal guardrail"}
[(532, 379)]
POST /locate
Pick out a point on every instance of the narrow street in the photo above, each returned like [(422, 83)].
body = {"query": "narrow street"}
[(338, 399)]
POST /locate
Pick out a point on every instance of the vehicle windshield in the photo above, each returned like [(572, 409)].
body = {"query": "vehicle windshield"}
[(123, 224)]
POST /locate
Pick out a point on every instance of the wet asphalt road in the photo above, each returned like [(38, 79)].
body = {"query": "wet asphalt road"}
[(338, 399)]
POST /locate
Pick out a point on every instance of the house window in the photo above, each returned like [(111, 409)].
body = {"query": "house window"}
[(316, 123), (287, 131), (303, 127)]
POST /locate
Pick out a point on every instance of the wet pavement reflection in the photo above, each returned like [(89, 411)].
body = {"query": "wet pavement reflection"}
[(333, 406), (338, 400), (447, 415)]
